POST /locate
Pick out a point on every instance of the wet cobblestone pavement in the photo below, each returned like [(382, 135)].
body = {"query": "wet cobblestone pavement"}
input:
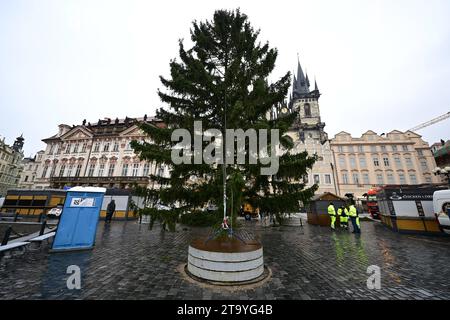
[(310, 262)]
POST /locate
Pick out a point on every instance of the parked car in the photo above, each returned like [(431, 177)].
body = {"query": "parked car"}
[(160, 206), (441, 205), (55, 212)]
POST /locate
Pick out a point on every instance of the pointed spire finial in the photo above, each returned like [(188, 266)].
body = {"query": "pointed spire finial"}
[(301, 86)]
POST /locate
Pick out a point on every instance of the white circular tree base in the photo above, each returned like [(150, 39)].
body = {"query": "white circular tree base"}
[(226, 266)]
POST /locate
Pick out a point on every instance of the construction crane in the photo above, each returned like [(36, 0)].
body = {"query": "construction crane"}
[(433, 121)]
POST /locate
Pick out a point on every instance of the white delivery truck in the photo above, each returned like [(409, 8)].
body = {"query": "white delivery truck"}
[(441, 205)]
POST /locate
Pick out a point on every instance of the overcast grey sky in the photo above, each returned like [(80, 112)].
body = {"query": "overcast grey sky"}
[(380, 65)]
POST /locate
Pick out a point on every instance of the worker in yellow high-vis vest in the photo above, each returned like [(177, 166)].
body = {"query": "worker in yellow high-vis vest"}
[(353, 214), (343, 217), (332, 213)]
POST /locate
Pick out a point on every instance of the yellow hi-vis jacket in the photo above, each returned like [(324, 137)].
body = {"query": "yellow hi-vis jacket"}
[(352, 211), (331, 210), (342, 212)]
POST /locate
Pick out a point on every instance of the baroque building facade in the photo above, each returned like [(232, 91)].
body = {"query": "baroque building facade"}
[(372, 160), (30, 168), (10, 164), (97, 154)]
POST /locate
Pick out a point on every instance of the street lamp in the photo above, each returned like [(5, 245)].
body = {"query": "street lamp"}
[(444, 172)]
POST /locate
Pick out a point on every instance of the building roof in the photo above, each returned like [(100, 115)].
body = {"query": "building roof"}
[(88, 189), (327, 196), (104, 127), (445, 150), (301, 84)]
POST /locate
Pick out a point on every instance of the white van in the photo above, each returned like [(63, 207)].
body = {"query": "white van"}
[(441, 205)]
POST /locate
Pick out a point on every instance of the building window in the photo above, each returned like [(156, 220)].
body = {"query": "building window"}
[(44, 172), (340, 149), (78, 170), (350, 148), (125, 169), (135, 171), (413, 178), (380, 179), (394, 148), (345, 178), (361, 149), (428, 179), (373, 148), (405, 147), (305, 179), (91, 170), (68, 148), (75, 148), (116, 146), (111, 169), (355, 178), (420, 152), (328, 179), (52, 147), (307, 110), (362, 162), (161, 171), (146, 169), (352, 162), (390, 178), (424, 165), (61, 170), (386, 162), (106, 147), (83, 148), (398, 162), (342, 161), (365, 178), (376, 163), (52, 172), (409, 163), (316, 179), (402, 179), (69, 171), (101, 169), (97, 147), (383, 148)]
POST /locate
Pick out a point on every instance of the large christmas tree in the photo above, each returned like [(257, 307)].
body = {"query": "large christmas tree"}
[(222, 81)]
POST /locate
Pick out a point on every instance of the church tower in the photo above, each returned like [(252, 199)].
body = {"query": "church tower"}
[(306, 103), (18, 144), (308, 132)]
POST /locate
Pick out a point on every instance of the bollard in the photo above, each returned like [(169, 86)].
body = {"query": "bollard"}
[(43, 225), (6, 237)]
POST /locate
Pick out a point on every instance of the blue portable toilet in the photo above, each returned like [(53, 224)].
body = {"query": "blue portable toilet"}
[(79, 219)]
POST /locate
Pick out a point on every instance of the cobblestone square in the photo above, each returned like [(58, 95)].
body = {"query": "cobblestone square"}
[(130, 261)]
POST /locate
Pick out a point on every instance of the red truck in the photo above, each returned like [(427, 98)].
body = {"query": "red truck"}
[(372, 205)]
